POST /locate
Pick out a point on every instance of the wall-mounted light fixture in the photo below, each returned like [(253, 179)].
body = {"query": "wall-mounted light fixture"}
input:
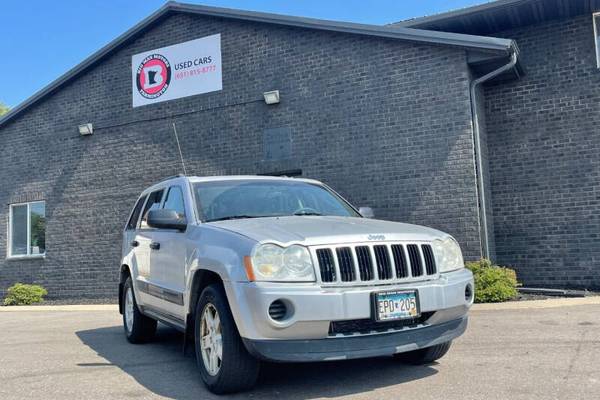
[(86, 129), (271, 97)]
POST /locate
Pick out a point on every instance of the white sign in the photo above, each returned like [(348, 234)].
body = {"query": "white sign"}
[(181, 70)]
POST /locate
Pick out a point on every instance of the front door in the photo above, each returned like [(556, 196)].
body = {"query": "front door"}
[(169, 256)]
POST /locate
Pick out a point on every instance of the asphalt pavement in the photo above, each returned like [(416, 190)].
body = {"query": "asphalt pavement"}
[(549, 352)]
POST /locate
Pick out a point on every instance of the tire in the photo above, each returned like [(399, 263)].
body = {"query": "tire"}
[(236, 370), (138, 328), (426, 355)]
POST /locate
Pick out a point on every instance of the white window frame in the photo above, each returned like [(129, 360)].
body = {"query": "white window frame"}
[(596, 43), (10, 222)]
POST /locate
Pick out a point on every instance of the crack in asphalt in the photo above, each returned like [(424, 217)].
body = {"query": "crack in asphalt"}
[(576, 356)]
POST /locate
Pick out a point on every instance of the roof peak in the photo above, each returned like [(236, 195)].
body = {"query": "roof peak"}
[(480, 43)]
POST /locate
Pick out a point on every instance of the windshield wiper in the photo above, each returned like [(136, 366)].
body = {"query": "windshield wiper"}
[(302, 213), (236, 217)]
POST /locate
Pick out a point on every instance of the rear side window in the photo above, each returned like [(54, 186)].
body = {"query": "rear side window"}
[(174, 201), (153, 203), (135, 215)]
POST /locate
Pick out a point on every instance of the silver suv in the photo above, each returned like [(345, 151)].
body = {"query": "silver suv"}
[(281, 269)]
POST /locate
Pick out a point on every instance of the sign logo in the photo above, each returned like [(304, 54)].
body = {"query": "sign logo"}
[(376, 237), (153, 76)]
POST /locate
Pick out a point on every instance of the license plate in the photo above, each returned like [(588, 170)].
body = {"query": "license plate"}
[(396, 305)]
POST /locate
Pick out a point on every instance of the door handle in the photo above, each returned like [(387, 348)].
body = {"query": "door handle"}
[(134, 243), (155, 246)]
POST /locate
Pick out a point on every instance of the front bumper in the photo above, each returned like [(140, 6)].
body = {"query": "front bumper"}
[(315, 307), (363, 346)]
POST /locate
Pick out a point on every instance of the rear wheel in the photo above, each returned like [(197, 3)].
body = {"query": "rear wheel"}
[(225, 364), (426, 355), (138, 327)]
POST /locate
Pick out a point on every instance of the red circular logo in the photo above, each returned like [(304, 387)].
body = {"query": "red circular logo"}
[(153, 76)]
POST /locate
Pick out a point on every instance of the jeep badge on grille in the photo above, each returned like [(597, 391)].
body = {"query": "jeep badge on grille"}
[(376, 237)]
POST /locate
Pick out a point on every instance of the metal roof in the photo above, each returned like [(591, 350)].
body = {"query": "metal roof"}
[(501, 15), (479, 43)]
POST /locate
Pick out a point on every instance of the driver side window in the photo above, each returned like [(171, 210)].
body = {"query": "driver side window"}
[(174, 201)]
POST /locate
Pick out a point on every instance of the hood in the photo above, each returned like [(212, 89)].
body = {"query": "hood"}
[(321, 230)]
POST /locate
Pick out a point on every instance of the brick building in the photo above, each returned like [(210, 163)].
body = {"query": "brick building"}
[(477, 122)]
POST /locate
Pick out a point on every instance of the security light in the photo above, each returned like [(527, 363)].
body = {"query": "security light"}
[(271, 97), (86, 129)]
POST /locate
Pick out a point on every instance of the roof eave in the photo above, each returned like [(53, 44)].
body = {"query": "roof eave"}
[(410, 34), (429, 19)]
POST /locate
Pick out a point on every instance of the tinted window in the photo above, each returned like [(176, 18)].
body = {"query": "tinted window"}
[(37, 219), (267, 198), (153, 203), (18, 239), (174, 201), (135, 215)]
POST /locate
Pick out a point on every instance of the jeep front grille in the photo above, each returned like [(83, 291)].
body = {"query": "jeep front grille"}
[(379, 263)]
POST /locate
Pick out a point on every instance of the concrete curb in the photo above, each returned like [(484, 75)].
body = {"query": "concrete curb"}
[(533, 304), (513, 305), (74, 307)]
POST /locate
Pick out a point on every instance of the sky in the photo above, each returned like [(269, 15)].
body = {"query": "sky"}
[(40, 40)]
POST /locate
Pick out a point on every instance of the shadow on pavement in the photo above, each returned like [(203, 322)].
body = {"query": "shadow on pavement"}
[(162, 368)]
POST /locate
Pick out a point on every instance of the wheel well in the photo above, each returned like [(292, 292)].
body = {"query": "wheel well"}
[(202, 279), (125, 273)]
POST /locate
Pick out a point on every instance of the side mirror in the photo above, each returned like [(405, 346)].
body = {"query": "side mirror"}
[(366, 212), (166, 219)]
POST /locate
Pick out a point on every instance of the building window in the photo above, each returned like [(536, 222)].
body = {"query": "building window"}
[(596, 37), (27, 229)]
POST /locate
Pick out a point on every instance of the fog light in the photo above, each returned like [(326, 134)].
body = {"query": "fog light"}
[(469, 293), (278, 310)]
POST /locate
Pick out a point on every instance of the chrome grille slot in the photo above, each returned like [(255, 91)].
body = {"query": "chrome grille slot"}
[(400, 261), (384, 264), (346, 264), (326, 265), (374, 263), (429, 259), (416, 268), (365, 263)]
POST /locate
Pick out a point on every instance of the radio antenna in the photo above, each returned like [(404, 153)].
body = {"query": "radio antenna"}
[(179, 148)]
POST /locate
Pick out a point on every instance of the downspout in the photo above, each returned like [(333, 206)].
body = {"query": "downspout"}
[(482, 209)]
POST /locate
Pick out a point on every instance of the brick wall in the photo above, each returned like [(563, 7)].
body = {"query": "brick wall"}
[(544, 146), (387, 123)]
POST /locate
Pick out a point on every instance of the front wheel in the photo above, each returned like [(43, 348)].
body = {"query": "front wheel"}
[(225, 364), (426, 355)]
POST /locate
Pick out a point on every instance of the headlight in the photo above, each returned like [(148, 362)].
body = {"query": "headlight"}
[(448, 256), (274, 263)]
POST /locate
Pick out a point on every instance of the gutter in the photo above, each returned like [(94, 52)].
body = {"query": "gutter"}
[(482, 209)]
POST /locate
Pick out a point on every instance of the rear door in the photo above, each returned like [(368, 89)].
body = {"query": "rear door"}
[(129, 244), (147, 277)]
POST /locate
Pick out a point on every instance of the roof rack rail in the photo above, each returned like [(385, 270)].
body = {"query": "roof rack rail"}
[(171, 177)]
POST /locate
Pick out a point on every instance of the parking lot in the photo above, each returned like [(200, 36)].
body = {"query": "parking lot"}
[(548, 352)]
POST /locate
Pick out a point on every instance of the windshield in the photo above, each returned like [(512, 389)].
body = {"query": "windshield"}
[(221, 200)]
